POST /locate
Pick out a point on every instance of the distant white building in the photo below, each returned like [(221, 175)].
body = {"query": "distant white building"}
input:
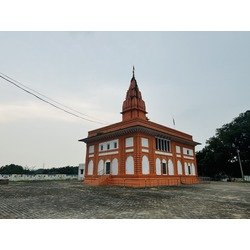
[(37, 177), (81, 169), (247, 177)]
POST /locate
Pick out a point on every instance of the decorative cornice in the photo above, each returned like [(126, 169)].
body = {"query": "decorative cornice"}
[(135, 129)]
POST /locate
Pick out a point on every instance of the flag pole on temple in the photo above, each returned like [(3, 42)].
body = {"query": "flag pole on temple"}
[(173, 122)]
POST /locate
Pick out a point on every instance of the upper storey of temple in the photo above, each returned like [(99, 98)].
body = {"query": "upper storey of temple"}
[(133, 106), (134, 119)]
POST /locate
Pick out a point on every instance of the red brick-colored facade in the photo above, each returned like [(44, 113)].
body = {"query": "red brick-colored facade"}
[(137, 152)]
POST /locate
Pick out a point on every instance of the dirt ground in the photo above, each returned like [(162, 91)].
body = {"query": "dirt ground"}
[(72, 199)]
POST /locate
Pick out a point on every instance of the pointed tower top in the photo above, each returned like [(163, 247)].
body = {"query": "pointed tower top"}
[(133, 106)]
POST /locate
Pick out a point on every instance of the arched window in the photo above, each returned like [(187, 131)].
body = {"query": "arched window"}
[(130, 165), (90, 168), (101, 167), (145, 165), (158, 166), (170, 167), (193, 169), (179, 167), (186, 168), (114, 167)]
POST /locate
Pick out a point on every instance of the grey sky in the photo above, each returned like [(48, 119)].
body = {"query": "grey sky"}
[(200, 78)]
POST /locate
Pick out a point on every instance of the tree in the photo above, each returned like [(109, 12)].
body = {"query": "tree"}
[(12, 169), (219, 156), (16, 169)]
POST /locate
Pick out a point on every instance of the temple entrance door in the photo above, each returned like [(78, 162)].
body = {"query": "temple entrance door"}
[(107, 167)]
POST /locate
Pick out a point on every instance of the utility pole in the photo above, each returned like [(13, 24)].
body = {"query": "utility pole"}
[(241, 170)]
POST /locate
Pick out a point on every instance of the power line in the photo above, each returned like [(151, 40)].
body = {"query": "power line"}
[(42, 99), (17, 82)]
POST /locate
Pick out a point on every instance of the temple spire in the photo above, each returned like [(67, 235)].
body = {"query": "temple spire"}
[(133, 106)]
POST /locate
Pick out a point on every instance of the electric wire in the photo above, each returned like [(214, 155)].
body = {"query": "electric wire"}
[(48, 102), (94, 118)]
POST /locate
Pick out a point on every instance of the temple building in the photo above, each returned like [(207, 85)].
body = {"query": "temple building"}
[(138, 152)]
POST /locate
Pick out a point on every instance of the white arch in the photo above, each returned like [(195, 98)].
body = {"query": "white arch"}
[(101, 167), (158, 166), (170, 167), (114, 167), (90, 168), (145, 165), (130, 165), (192, 169), (179, 167), (186, 168)]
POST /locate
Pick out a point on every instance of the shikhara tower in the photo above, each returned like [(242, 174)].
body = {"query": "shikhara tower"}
[(137, 152), (133, 106)]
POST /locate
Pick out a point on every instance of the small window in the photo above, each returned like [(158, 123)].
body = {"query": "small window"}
[(144, 142), (187, 152), (178, 149), (162, 144), (108, 146), (115, 144), (101, 147), (129, 142), (81, 171), (189, 169), (164, 168), (91, 149)]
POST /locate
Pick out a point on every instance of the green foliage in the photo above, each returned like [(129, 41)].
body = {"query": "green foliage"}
[(219, 156), (64, 170), (16, 169), (12, 169)]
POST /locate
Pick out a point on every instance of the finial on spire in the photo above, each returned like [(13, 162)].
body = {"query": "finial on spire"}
[(133, 71)]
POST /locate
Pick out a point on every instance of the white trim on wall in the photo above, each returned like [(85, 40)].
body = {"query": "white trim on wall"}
[(109, 153), (163, 153), (189, 157), (129, 150)]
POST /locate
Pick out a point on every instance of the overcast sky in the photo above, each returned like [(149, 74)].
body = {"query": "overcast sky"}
[(200, 78)]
